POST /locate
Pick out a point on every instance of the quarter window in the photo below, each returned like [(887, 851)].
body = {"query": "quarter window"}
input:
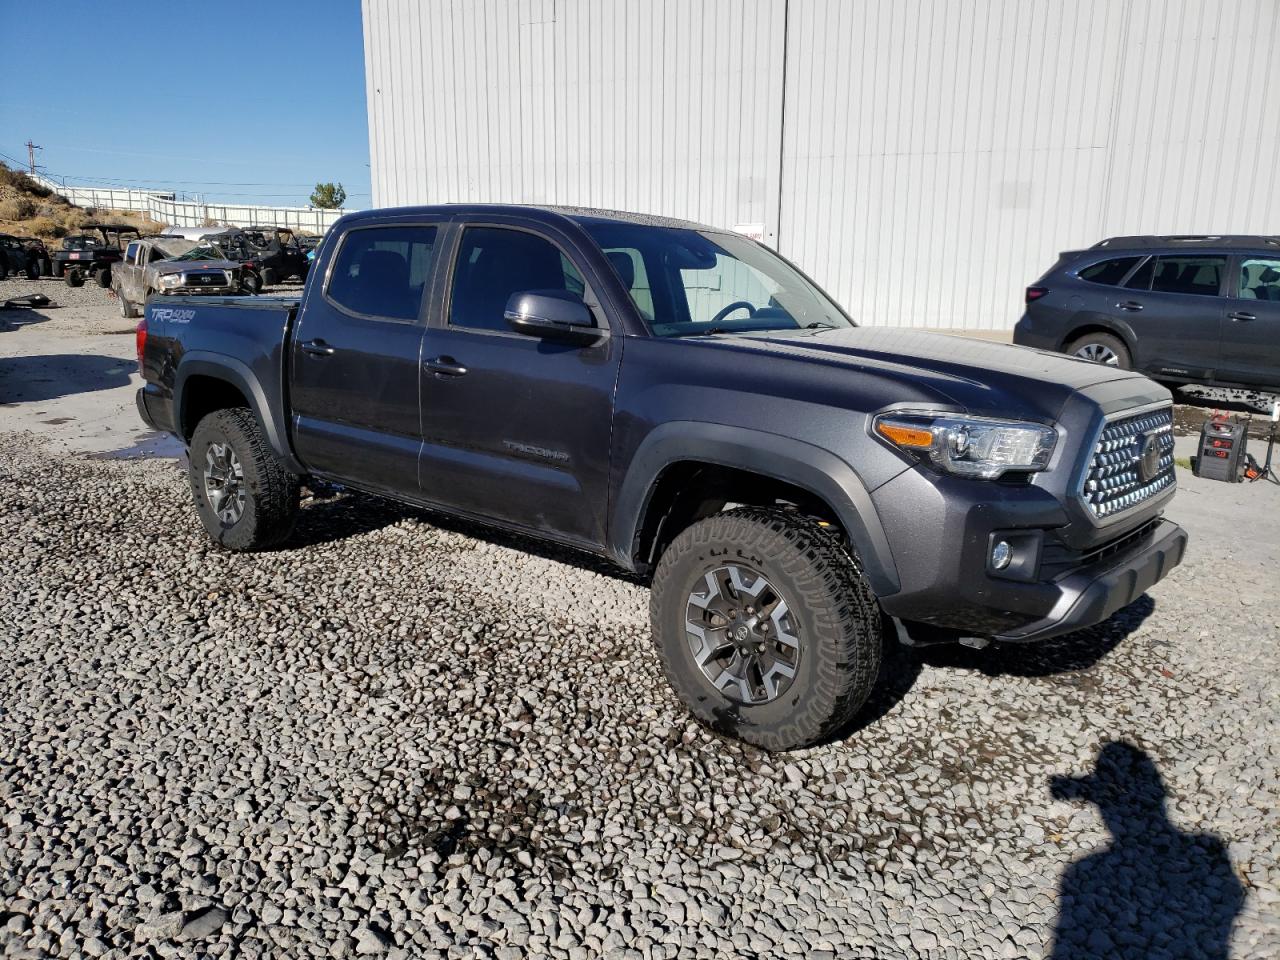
[(1195, 275), (1260, 279), (495, 263), (1109, 272), (383, 271)]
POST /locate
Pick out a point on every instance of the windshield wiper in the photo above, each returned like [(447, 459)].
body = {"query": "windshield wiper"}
[(819, 325)]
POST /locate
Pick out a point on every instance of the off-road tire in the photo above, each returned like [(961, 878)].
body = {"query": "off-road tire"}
[(33, 270), (1124, 360), (841, 638), (251, 283), (269, 277), (103, 277), (73, 277), (271, 491)]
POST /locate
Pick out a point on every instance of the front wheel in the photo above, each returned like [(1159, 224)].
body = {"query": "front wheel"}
[(1104, 348), (767, 630), (103, 278), (246, 498), (127, 309)]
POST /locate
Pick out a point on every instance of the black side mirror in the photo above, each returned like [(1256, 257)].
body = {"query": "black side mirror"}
[(552, 315)]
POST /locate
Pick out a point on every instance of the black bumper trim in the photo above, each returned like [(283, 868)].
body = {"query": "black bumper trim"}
[(1091, 596)]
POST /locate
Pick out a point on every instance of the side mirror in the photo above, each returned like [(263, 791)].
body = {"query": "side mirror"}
[(552, 315)]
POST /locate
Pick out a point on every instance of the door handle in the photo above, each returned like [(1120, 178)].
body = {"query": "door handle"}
[(1241, 315), (1129, 305), (445, 367), (317, 348)]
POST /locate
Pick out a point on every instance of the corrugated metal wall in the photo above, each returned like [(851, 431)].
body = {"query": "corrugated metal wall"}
[(652, 106), (924, 160)]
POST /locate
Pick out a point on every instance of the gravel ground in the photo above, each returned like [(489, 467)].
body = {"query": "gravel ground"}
[(400, 736)]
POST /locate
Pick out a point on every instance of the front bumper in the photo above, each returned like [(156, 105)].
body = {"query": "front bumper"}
[(1066, 575), (1089, 595)]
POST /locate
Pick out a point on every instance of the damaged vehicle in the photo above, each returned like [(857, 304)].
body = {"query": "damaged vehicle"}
[(92, 253), (175, 265)]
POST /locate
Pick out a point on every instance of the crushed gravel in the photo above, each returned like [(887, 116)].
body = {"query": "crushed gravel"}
[(405, 737)]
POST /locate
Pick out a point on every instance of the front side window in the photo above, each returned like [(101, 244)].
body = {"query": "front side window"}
[(131, 252), (1260, 279), (1109, 272), (494, 263), (1185, 274), (382, 271), (688, 282)]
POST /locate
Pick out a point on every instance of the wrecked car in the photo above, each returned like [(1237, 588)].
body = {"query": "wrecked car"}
[(154, 265)]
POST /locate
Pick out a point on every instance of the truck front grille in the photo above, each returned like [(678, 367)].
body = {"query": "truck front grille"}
[(1131, 462), (205, 278)]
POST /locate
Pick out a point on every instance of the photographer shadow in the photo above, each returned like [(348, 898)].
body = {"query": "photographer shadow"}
[(1154, 891)]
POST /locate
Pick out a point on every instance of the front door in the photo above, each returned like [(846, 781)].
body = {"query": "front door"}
[(1174, 307), (517, 428), (1251, 334), (355, 355)]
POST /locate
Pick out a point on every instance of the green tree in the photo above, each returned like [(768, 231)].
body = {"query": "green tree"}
[(328, 196)]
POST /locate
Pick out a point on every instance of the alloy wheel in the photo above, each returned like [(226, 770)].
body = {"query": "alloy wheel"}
[(224, 482), (742, 634), (1098, 353)]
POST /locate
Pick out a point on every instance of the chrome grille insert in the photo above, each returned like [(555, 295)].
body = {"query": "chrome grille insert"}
[(1132, 461)]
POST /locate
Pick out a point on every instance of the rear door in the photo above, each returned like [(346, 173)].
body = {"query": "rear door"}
[(1174, 305), (517, 428), (1251, 333), (128, 273), (355, 354)]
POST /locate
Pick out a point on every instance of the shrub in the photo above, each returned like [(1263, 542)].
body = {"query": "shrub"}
[(18, 208)]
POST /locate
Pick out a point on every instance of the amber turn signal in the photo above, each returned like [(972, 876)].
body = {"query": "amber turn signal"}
[(905, 436)]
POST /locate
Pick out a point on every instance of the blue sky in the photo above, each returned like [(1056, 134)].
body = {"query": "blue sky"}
[(109, 90)]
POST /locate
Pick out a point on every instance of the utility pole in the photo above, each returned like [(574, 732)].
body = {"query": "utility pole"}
[(31, 156)]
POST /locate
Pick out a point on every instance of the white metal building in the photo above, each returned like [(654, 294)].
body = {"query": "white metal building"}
[(924, 160)]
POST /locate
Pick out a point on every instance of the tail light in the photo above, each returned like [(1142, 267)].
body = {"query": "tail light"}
[(1035, 293), (140, 339)]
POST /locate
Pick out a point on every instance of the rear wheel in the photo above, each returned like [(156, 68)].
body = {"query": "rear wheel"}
[(767, 630), (1104, 348), (103, 277), (246, 498), (74, 278)]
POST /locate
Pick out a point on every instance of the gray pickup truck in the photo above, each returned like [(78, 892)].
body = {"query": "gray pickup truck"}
[(684, 402)]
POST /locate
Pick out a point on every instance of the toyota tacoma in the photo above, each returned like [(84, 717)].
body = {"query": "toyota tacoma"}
[(684, 402)]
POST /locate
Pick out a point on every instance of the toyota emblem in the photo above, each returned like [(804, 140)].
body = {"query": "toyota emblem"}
[(1149, 458)]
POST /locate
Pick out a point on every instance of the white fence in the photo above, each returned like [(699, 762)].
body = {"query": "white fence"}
[(166, 208)]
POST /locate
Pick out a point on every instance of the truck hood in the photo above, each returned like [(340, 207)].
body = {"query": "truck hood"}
[(980, 376)]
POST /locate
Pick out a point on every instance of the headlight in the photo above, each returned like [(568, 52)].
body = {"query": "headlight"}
[(969, 446), (171, 280)]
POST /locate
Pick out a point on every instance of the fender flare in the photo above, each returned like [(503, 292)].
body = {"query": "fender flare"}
[(237, 373), (1108, 323), (792, 461)]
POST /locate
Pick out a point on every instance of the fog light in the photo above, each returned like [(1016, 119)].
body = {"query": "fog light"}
[(1001, 554)]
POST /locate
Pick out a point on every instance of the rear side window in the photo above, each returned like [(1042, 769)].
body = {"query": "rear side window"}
[(1260, 280), (1109, 272), (382, 271), (1201, 276), (494, 263)]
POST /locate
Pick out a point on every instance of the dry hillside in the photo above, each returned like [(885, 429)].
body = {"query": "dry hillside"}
[(29, 210)]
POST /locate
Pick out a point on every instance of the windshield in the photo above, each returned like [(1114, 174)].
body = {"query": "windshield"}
[(691, 282), (206, 251), (172, 247)]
